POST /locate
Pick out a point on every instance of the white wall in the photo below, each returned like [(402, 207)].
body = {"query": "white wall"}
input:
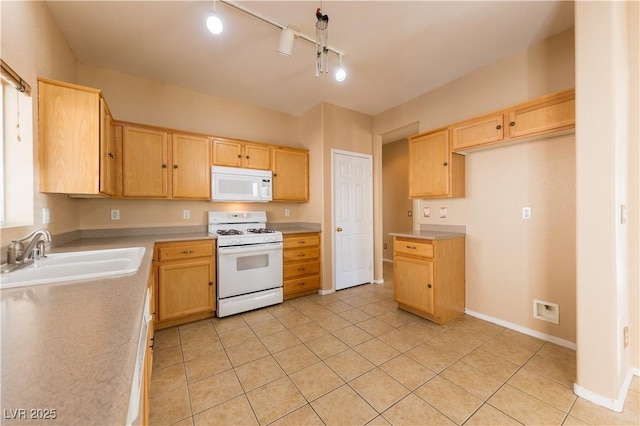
[(606, 132)]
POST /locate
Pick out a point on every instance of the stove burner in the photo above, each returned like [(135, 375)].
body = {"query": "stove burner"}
[(260, 231), (229, 232)]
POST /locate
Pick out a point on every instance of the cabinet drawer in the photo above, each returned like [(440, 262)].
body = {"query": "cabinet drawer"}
[(301, 254), (301, 241), (301, 284), (413, 248), (300, 269), (185, 252)]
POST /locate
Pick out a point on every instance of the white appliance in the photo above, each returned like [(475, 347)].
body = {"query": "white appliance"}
[(249, 261), (236, 184)]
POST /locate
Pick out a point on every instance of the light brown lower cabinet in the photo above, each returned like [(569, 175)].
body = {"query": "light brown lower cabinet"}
[(185, 281), (301, 264), (148, 356), (429, 277)]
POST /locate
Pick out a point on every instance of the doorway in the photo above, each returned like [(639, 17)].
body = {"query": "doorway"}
[(352, 199)]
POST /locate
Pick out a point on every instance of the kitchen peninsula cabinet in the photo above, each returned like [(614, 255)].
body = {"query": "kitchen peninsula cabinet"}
[(434, 171), (76, 140), (159, 164), (233, 153), (185, 281), (536, 118), (301, 264), (290, 174), (429, 277)]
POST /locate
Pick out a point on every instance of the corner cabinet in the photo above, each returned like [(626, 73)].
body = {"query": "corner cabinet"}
[(301, 264), (290, 168), (185, 281), (429, 277), (434, 171), (234, 153), (158, 164), (533, 119), (76, 140)]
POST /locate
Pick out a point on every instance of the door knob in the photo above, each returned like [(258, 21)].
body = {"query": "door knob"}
[(339, 229)]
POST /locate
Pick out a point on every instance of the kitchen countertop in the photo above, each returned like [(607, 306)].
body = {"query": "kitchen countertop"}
[(428, 235), (71, 347)]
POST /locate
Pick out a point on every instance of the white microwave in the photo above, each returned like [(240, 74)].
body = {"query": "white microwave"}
[(236, 184)]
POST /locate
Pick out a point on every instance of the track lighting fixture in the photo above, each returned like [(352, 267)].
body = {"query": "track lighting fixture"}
[(341, 73), (214, 24), (286, 41), (288, 36)]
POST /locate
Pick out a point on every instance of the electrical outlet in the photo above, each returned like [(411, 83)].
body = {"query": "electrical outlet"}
[(287, 212), (115, 214), (625, 333), (526, 212), (426, 212), (443, 212), (410, 213), (46, 216), (384, 246), (186, 214)]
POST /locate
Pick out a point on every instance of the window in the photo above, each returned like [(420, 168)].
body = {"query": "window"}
[(16, 156)]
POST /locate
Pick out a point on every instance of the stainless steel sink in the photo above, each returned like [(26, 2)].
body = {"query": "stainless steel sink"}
[(73, 266)]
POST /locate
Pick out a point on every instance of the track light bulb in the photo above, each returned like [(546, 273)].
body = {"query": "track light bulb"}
[(341, 73), (214, 24), (286, 41)]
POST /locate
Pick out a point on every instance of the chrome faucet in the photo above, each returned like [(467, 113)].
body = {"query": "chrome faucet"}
[(35, 247)]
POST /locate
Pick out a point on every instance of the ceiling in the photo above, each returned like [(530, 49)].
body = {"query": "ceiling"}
[(394, 50)]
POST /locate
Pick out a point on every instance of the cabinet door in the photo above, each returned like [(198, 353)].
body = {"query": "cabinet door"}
[(191, 174), (543, 116), (429, 165), (107, 151), (477, 132), (413, 284), (227, 153), (185, 288), (69, 132), (144, 163), (290, 175), (257, 156)]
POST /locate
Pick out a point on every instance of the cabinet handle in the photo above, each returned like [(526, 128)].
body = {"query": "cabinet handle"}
[(498, 127), (302, 283), (164, 166), (338, 229), (301, 255), (110, 155), (210, 282), (301, 269), (239, 156), (429, 285), (445, 164), (247, 157), (275, 174), (187, 252), (302, 242), (411, 247), (513, 123), (175, 166)]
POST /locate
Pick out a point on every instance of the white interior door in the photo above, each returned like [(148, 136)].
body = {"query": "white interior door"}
[(352, 218)]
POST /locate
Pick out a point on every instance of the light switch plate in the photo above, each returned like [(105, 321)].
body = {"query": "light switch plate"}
[(115, 214), (186, 214)]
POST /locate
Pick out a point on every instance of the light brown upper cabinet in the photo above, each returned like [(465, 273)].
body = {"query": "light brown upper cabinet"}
[(145, 162), (533, 119), (434, 171), (290, 174), (233, 153), (158, 164), (191, 174), (75, 140)]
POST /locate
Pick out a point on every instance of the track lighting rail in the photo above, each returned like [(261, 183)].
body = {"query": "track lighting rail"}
[(269, 21)]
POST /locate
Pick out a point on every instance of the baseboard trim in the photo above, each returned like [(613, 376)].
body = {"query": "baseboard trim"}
[(325, 292), (616, 405), (523, 330), (377, 282)]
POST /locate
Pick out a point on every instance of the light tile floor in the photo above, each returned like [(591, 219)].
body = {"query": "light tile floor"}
[(353, 358)]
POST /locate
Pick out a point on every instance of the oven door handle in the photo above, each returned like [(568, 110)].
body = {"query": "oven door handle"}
[(249, 248)]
